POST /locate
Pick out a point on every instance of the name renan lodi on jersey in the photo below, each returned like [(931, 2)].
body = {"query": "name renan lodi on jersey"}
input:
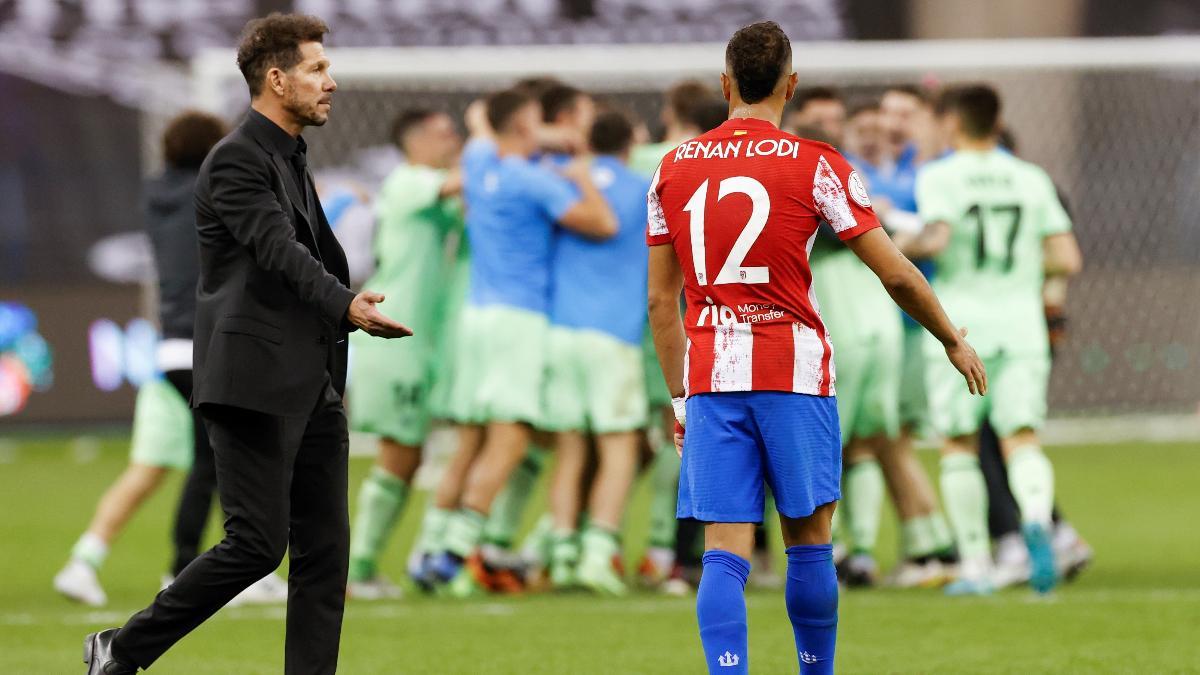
[(741, 206)]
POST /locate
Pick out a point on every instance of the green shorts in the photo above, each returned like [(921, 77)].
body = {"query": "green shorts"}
[(914, 402), (499, 366), (657, 392), (868, 386), (162, 428), (594, 382), (444, 357), (1016, 397), (389, 388)]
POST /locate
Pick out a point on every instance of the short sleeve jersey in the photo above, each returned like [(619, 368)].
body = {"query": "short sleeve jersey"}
[(741, 205), (989, 277), (512, 207), (412, 225), (601, 285)]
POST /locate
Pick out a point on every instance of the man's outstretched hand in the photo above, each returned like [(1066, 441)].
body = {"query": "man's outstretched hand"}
[(362, 313)]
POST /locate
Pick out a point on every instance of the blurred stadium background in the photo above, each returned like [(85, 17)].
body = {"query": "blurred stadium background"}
[(1103, 93)]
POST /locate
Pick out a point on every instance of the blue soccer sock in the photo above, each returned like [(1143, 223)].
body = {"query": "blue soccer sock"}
[(721, 612), (812, 604)]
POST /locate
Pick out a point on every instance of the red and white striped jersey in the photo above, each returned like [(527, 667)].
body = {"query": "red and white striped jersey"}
[(741, 205)]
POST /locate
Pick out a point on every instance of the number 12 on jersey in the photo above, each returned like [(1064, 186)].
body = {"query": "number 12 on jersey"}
[(731, 271)]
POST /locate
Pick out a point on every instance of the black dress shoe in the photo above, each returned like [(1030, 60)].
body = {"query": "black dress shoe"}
[(98, 655)]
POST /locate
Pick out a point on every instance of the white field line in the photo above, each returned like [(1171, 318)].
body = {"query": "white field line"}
[(396, 610)]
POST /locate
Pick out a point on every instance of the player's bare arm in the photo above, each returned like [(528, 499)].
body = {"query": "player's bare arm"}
[(911, 291), (930, 241), (453, 184), (1061, 256), (665, 283), (591, 216)]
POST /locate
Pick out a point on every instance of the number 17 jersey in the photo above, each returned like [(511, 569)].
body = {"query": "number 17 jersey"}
[(741, 205)]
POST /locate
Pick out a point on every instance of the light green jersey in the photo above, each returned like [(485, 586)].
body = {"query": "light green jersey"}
[(645, 158), (989, 277), (413, 268)]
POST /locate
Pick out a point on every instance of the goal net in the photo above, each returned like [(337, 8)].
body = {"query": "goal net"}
[(1115, 122)]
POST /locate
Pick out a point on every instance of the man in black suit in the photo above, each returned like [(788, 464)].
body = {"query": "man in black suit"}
[(273, 310)]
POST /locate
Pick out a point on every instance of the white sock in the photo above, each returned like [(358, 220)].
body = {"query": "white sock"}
[(91, 549)]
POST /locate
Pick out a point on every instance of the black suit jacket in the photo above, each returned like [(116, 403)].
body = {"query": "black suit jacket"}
[(272, 297)]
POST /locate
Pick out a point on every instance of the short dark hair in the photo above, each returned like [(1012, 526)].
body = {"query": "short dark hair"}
[(611, 134), (536, 85), (810, 94), (274, 41), (683, 97), (913, 90), (756, 56), (860, 108), (408, 120), (710, 113), (557, 99), (502, 105), (977, 107), (188, 138)]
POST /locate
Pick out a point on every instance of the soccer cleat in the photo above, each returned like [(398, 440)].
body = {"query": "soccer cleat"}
[(1043, 576), (1071, 553), (468, 583), (655, 566), (443, 567), (269, 590), (912, 574), (1012, 561), (420, 571), (377, 587), (861, 571), (678, 585), (78, 581), (599, 576), (966, 587)]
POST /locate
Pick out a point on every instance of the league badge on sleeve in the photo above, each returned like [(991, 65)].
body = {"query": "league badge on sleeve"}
[(859, 191)]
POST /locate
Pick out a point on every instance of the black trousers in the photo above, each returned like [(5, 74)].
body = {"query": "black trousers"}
[(282, 483), (1004, 516), (195, 500)]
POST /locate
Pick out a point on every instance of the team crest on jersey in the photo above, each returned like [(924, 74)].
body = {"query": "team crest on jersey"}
[(858, 191)]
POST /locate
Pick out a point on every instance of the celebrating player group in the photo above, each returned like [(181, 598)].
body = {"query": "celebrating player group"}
[(732, 314)]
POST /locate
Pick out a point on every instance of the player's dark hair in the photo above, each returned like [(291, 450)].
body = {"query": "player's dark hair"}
[(503, 105), (809, 94), (611, 134), (683, 97), (860, 108), (756, 56), (273, 41), (408, 120), (537, 85), (557, 100), (977, 107), (913, 90), (188, 138), (711, 113)]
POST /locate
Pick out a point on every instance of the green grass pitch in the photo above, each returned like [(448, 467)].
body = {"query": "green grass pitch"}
[(1137, 610)]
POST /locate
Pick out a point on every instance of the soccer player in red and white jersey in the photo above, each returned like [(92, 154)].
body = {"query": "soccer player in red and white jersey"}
[(732, 216)]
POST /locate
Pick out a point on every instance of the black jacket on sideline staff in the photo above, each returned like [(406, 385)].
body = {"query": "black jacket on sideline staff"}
[(274, 284), (170, 213)]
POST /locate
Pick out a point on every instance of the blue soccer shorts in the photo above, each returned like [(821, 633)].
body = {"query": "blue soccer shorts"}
[(736, 442)]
